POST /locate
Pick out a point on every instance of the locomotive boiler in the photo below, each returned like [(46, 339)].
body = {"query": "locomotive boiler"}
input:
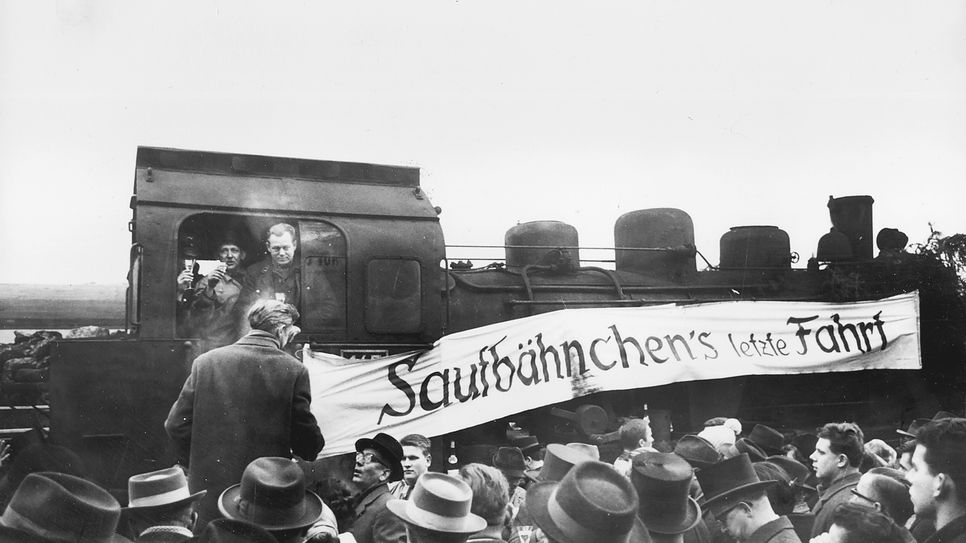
[(378, 279)]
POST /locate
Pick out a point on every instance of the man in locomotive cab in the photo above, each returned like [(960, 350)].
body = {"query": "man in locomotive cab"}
[(278, 277), (214, 312)]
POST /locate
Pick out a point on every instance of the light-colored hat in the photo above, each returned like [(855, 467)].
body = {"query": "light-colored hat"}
[(440, 503), (164, 487)]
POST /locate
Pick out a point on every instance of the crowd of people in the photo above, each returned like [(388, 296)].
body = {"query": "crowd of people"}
[(244, 431)]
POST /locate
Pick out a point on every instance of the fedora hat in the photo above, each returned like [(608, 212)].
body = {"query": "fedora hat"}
[(916, 424), (509, 460), (586, 448), (591, 503), (805, 443), (272, 495), (746, 446), (226, 530), (61, 507), (699, 452), (161, 488), (725, 483), (662, 481), (389, 450), (796, 471), (526, 443), (559, 460), (440, 503), (767, 438)]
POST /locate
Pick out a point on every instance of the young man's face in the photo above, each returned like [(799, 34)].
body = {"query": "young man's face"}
[(282, 249), (414, 463), (825, 461), (923, 485), (231, 255)]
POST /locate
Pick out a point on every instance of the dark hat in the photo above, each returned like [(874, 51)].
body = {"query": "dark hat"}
[(916, 424), (272, 495), (768, 439), (509, 460), (389, 450), (727, 482), (662, 481), (525, 443), (586, 448), (162, 488), (440, 503), (559, 460), (698, 451), (744, 445), (796, 471), (591, 503), (226, 530), (61, 507)]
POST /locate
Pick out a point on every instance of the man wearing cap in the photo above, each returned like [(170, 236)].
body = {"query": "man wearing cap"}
[(272, 495), (837, 456), (533, 454), (738, 500), (662, 481), (214, 312), (438, 510), (509, 460), (160, 507), (378, 462), (938, 478), (241, 402), (415, 462)]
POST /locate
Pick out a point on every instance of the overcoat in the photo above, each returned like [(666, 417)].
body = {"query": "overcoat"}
[(375, 523), (241, 402), (837, 493)]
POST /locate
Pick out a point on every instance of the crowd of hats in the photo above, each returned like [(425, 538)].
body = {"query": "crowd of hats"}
[(572, 497)]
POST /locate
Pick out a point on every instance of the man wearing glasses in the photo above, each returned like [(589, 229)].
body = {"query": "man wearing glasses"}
[(838, 453), (888, 495), (378, 463), (938, 478)]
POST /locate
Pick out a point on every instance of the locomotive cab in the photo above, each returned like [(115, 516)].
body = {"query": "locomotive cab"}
[(368, 243)]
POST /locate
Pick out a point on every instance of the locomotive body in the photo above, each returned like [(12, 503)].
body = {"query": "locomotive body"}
[(377, 279)]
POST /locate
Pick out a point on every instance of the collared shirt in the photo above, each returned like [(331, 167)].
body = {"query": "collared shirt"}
[(954, 532), (779, 530), (400, 489)]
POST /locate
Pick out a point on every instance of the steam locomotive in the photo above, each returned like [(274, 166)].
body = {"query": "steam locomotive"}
[(370, 234)]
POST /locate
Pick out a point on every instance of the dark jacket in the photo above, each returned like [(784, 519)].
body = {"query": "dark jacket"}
[(263, 280), (803, 523), (837, 493), (779, 530), (375, 523), (954, 532), (241, 402)]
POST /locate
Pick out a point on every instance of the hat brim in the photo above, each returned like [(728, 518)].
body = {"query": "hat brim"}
[(905, 433), (467, 525), (395, 470), (690, 520), (538, 500), (313, 510), (183, 501), (716, 504)]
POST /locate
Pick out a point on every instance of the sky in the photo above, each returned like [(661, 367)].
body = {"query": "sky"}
[(738, 112)]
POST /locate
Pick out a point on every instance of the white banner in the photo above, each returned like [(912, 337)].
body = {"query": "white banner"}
[(479, 375)]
